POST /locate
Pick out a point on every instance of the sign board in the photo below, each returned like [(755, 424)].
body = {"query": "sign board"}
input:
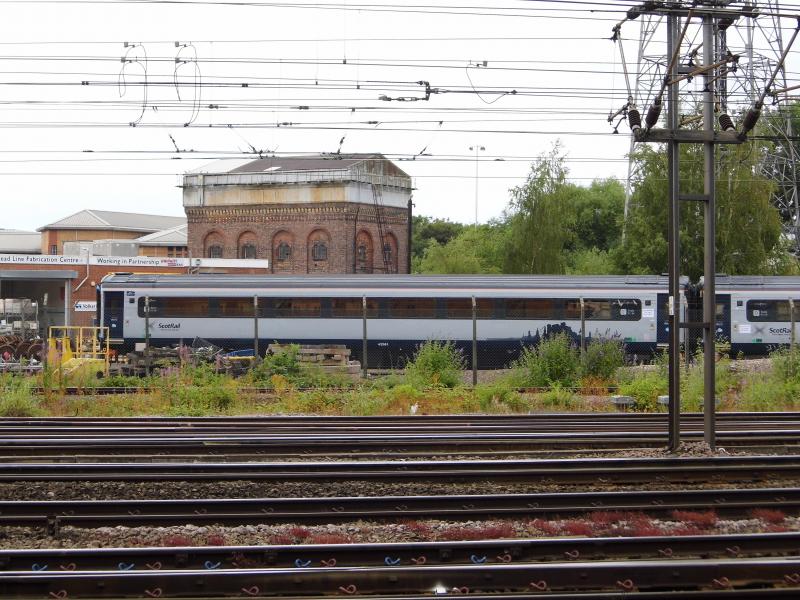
[(130, 261), (86, 306)]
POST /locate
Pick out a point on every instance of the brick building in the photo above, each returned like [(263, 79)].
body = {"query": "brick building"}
[(306, 214)]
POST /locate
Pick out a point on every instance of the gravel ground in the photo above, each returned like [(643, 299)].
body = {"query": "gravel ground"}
[(604, 525), (50, 490)]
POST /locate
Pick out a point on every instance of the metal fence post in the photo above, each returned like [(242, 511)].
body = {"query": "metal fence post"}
[(583, 326), (255, 330), (364, 336), (147, 334), (474, 342)]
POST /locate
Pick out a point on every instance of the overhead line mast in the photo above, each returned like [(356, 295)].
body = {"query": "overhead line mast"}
[(714, 17)]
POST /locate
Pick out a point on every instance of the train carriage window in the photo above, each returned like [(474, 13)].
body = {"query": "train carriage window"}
[(597, 309), (351, 308), (295, 308), (412, 308), (461, 308), (532, 308), (174, 308), (771, 310), (233, 307)]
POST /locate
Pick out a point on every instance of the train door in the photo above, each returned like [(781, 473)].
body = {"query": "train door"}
[(113, 318), (722, 327), (662, 319)]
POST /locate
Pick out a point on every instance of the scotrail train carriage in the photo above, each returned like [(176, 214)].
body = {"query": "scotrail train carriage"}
[(402, 311)]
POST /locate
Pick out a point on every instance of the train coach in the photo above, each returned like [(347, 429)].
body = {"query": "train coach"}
[(403, 311)]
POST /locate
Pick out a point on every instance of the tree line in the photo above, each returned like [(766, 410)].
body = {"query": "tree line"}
[(553, 226)]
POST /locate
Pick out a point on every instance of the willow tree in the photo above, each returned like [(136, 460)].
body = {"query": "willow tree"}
[(540, 216), (748, 225)]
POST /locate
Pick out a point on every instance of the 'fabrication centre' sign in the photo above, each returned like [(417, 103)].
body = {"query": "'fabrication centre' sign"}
[(129, 261)]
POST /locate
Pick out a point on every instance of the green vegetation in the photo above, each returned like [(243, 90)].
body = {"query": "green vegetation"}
[(435, 364), (17, 399), (553, 226), (557, 361), (433, 382)]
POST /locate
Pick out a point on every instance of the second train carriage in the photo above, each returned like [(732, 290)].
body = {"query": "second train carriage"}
[(402, 311)]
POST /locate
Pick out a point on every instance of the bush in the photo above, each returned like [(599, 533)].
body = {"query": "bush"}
[(557, 398), (645, 390), (765, 392), (122, 381), (602, 358), (786, 365), (17, 399), (285, 367), (436, 364), (285, 363), (500, 396), (693, 384), (193, 391), (555, 361)]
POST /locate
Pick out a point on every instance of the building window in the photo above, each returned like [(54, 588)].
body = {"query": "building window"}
[(319, 251), (361, 252), (387, 254), (247, 251), (54, 249), (284, 251), (215, 251), (176, 251)]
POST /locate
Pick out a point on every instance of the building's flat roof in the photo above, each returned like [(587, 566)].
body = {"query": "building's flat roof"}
[(33, 274), (14, 241)]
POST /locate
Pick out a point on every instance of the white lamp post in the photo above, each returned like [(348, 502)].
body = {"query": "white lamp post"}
[(476, 149)]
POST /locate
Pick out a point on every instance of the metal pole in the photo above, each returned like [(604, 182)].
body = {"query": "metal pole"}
[(476, 186), (474, 342), (255, 330), (147, 334), (674, 247), (709, 251), (791, 333), (364, 337), (583, 327)]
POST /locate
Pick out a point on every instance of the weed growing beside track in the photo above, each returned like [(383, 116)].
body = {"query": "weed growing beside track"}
[(433, 383)]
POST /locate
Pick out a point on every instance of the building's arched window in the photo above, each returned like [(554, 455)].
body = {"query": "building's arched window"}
[(387, 253), (247, 251), (363, 252), (284, 252), (215, 251), (319, 251)]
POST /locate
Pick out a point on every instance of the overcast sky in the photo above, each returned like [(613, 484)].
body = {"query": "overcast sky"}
[(71, 88)]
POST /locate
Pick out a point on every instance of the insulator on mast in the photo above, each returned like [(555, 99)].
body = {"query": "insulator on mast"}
[(634, 119), (726, 123), (653, 113)]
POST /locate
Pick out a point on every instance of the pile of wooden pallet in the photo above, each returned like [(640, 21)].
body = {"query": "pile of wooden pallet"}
[(333, 357)]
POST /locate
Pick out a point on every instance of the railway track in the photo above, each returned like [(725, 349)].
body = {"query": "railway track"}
[(379, 436), (402, 554), (709, 566), (53, 515), (547, 471), (611, 576)]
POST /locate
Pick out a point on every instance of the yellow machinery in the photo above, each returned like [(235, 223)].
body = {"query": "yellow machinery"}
[(78, 352)]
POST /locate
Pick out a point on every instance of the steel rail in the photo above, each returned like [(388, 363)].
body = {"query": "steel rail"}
[(400, 554), (54, 515), (619, 576), (565, 470)]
